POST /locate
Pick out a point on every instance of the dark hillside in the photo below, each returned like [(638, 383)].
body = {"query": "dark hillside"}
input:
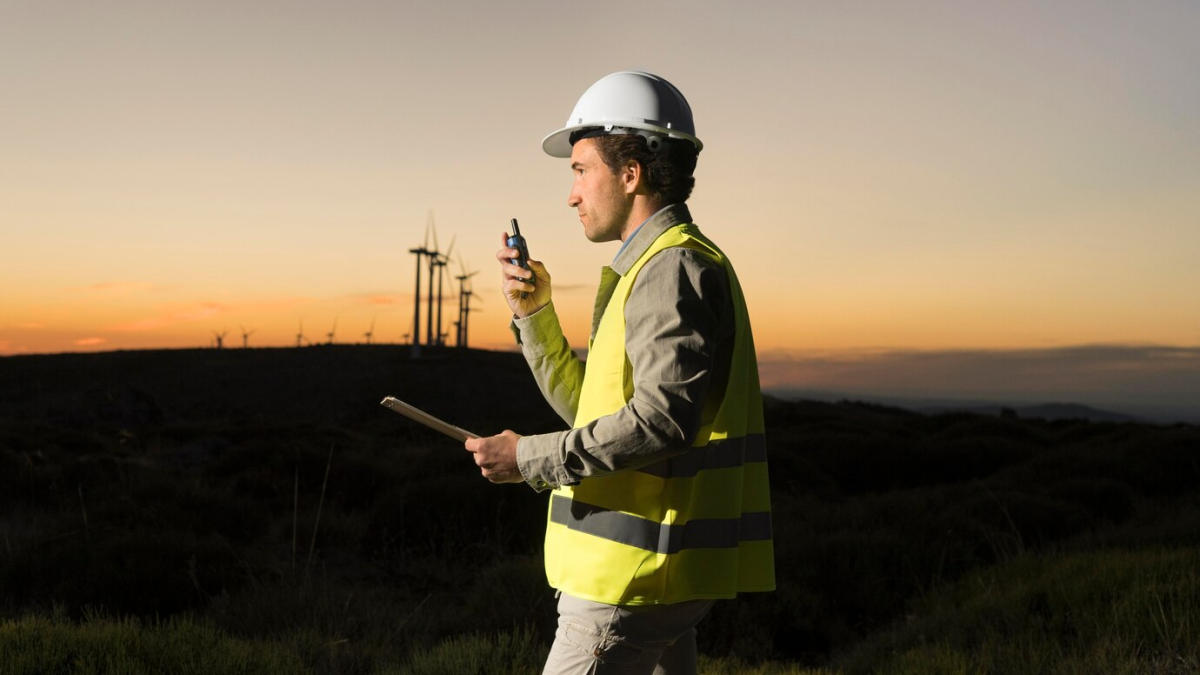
[(334, 384), (267, 492)]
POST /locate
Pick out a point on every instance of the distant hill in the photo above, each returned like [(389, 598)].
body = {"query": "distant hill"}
[(1046, 411), (329, 380)]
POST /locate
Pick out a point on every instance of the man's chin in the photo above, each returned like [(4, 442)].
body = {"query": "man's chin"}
[(600, 237)]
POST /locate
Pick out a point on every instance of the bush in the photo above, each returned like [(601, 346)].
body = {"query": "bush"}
[(513, 590), (452, 515), (148, 572)]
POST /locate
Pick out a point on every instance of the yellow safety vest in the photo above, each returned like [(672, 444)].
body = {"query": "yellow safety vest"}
[(697, 525)]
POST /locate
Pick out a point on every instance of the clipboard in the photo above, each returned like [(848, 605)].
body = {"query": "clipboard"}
[(425, 418)]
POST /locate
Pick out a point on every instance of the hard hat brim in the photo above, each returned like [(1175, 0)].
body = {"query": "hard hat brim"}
[(558, 144)]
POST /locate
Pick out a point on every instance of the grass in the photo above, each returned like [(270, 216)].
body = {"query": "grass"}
[(1111, 611), (517, 652), (1070, 613), (50, 645), (99, 645)]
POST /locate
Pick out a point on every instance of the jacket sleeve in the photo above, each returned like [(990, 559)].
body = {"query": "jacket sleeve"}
[(678, 319), (555, 367)]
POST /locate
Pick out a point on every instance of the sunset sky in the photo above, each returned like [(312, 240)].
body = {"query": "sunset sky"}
[(890, 179)]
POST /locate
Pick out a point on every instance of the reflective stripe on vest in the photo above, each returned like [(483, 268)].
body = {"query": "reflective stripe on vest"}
[(719, 454), (696, 525), (658, 537)]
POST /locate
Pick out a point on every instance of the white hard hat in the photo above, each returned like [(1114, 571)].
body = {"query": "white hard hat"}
[(627, 102)]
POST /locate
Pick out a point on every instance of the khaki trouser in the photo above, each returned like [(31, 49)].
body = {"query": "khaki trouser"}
[(613, 640)]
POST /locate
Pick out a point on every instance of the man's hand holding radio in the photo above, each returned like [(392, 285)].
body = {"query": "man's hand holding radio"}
[(524, 297)]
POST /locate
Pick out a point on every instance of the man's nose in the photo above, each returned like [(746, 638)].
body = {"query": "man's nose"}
[(573, 199)]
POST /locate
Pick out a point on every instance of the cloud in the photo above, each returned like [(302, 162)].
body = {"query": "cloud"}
[(90, 342), (121, 287), (269, 305), (171, 317), (390, 298)]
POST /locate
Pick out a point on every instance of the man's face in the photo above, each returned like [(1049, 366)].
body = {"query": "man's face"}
[(598, 194)]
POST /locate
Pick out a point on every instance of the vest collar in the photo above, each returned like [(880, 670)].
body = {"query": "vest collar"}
[(666, 218)]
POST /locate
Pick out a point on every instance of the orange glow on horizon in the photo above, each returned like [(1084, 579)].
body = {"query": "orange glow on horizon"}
[(872, 193)]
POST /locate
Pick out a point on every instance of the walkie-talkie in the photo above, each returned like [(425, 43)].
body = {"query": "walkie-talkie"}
[(522, 260)]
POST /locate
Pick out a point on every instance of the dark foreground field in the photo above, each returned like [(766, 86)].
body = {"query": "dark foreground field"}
[(256, 511)]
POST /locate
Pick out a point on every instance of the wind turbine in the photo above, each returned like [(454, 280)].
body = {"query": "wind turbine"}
[(441, 260), (246, 336), (370, 331), (220, 338), (464, 302), (300, 334), (331, 332), (433, 259), (423, 250)]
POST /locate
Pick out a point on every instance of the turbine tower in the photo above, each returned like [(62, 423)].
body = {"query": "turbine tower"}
[(220, 338), (433, 259), (331, 332), (300, 334), (420, 252), (464, 302), (246, 336), (441, 260), (370, 331)]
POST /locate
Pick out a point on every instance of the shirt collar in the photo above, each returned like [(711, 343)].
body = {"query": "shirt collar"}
[(636, 244)]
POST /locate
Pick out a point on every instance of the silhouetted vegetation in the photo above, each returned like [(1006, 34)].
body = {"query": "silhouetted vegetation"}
[(261, 504)]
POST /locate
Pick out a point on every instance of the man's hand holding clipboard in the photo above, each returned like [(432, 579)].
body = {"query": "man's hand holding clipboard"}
[(496, 456), (418, 415)]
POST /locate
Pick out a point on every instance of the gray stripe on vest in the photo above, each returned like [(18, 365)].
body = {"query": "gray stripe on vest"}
[(648, 535), (722, 453)]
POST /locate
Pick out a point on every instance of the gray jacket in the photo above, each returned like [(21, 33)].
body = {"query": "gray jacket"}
[(679, 331)]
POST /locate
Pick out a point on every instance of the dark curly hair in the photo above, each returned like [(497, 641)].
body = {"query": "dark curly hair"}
[(667, 171)]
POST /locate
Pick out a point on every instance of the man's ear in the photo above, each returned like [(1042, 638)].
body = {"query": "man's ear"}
[(632, 176)]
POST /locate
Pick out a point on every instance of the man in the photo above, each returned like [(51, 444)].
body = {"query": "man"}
[(660, 501)]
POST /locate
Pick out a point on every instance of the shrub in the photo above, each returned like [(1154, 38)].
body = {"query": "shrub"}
[(149, 572)]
